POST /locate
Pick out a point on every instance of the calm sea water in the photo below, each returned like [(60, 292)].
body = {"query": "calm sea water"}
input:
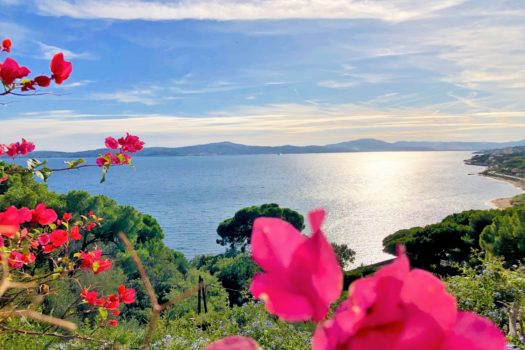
[(367, 195)]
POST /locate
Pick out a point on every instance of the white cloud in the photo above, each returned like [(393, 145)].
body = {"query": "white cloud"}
[(48, 51), (387, 10), (268, 125), (142, 96), (332, 84)]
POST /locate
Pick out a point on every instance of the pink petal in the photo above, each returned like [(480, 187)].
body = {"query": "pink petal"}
[(274, 242), (316, 219), (315, 268), (428, 293), (473, 332), (280, 299), (234, 343)]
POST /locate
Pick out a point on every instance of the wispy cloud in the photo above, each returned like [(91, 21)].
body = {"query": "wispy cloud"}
[(392, 10), (148, 97), (48, 51), (269, 125)]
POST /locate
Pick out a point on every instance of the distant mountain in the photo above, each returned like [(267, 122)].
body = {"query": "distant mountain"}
[(361, 145)]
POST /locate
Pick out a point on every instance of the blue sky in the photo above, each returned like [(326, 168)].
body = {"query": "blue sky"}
[(269, 72)]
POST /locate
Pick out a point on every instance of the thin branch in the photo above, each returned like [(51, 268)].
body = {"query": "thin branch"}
[(57, 335), (37, 316)]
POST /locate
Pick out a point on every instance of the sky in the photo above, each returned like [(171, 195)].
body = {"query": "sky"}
[(268, 72)]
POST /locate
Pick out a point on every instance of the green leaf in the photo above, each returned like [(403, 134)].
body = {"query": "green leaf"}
[(75, 163), (103, 313)]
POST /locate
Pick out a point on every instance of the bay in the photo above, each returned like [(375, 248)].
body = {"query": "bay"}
[(367, 195)]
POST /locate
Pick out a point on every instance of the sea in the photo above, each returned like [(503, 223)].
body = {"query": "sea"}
[(367, 195)]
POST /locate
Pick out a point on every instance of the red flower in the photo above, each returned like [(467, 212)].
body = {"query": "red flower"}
[(13, 149), (112, 302), (43, 215), (101, 161), (234, 343), (113, 323), (10, 71), (59, 237), (67, 217), (6, 45), (27, 85), (42, 81), (131, 143), (60, 68), (399, 308), (111, 143), (92, 261), (115, 312), (17, 260), (11, 218), (4, 179), (75, 233), (127, 296), (90, 297), (302, 276), (101, 265), (26, 147)]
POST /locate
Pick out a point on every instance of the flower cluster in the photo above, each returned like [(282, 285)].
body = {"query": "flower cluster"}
[(92, 260), (17, 148), (109, 303), (396, 309), (125, 146), (13, 76), (25, 232)]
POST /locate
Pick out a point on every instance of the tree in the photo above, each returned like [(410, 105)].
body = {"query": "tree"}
[(345, 255), (235, 232)]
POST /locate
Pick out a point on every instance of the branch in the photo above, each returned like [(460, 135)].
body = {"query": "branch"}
[(37, 316), (57, 335), (157, 309)]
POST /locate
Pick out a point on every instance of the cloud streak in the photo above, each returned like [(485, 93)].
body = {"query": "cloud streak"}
[(268, 125), (386, 10)]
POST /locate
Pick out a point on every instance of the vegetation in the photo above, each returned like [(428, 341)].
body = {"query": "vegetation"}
[(236, 231), (509, 161)]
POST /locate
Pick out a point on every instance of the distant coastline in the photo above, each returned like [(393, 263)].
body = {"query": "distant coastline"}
[(230, 148), (503, 203)]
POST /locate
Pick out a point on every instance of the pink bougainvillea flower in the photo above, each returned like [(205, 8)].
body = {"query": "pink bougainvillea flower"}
[(6, 45), (75, 233), (101, 265), (60, 68), (111, 143), (112, 302), (59, 237), (127, 296), (42, 81), (234, 343), (43, 215), (89, 297), (11, 218), (4, 179), (302, 276), (12, 149), (27, 85), (10, 71), (131, 143), (26, 147), (67, 216), (403, 309), (17, 260)]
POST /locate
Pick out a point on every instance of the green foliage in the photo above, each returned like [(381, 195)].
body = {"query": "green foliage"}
[(235, 273), (345, 255), (489, 289), (506, 235), (235, 232)]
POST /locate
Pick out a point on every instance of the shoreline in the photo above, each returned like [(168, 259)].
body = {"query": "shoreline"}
[(504, 203)]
